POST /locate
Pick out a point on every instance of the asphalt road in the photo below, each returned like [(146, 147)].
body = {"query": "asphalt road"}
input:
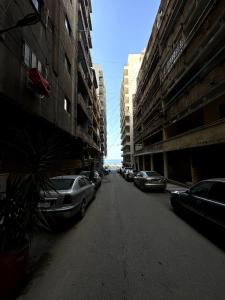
[(129, 246)]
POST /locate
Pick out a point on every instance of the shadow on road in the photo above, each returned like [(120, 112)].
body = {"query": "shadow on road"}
[(212, 232), (106, 179)]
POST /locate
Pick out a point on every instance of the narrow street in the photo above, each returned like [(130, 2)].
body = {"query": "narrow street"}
[(130, 245)]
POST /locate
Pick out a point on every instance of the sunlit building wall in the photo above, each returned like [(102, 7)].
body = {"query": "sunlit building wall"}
[(179, 119), (128, 90), (101, 94)]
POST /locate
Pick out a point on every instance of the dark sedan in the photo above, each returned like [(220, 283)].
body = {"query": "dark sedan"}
[(150, 180), (206, 198)]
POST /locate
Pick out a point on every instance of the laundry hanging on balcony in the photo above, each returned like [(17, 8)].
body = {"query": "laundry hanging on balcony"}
[(39, 83)]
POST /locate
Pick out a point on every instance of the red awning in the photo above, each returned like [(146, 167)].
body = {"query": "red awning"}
[(40, 84)]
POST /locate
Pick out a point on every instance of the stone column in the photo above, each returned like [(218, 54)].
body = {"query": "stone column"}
[(143, 159), (195, 172), (152, 162), (137, 163), (165, 164)]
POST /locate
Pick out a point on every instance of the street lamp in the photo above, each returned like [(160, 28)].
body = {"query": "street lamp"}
[(30, 19)]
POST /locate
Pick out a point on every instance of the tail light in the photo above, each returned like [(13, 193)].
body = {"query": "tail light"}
[(67, 199)]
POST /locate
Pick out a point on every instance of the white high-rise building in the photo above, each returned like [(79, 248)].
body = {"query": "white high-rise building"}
[(101, 94), (128, 90)]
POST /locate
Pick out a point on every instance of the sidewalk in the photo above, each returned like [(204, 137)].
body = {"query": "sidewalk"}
[(176, 186)]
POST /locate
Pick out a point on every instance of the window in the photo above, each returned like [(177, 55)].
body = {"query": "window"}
[(37, 5), (60, 184), (217, 192), (87, 181), (67, 64), (81, 182), (201, 189), (39, 65), (67, 26), (33, 60), (27, 54), (67, 105), (30, 58), (152, 173)]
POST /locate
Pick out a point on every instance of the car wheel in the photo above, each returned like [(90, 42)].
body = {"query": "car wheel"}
[(82, 210), (141, 186), (174, 204)]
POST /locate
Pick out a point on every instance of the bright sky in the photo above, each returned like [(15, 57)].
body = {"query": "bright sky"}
[(120, 27)]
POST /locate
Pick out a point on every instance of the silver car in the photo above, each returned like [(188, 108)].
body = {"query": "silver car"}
[(125, 170), (150, 180), (97, 180), (67, 196)]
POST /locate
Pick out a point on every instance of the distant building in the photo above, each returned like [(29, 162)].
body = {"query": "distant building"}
[(47, 82), (179, 121), (128, 90), (101, 94)]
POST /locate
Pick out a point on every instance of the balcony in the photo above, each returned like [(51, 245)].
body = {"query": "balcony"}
[(210, 134), (126, 146), (84, 80), (83, 134), (84, 59), (213, 133), (84, 107), (38, 83), (153, 126)]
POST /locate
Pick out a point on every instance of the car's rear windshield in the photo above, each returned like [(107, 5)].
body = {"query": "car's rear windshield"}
[(60, 184), (152, 173)]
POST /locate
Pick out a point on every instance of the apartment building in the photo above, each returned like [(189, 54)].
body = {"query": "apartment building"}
[(45, 70), (88, 113), (101, 94), (128, 89), (179, 122)]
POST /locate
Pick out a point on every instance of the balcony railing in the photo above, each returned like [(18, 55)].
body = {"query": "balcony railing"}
[(84, 106), (84, 135)]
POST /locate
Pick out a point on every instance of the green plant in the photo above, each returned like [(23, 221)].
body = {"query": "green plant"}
[(29, 158)]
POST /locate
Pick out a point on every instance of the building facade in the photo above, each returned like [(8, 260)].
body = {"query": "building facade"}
[(179, 123), (128, 90), (101, 94), (46, 69), (88, 108)]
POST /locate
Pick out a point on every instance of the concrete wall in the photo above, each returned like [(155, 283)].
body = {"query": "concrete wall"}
[(180, 98)]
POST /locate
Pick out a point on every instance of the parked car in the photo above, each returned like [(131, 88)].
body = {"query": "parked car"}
[(107, 171), (124, 170), (129, 174), (150, 180), (206, 198), (67, 196), (96, 179)]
